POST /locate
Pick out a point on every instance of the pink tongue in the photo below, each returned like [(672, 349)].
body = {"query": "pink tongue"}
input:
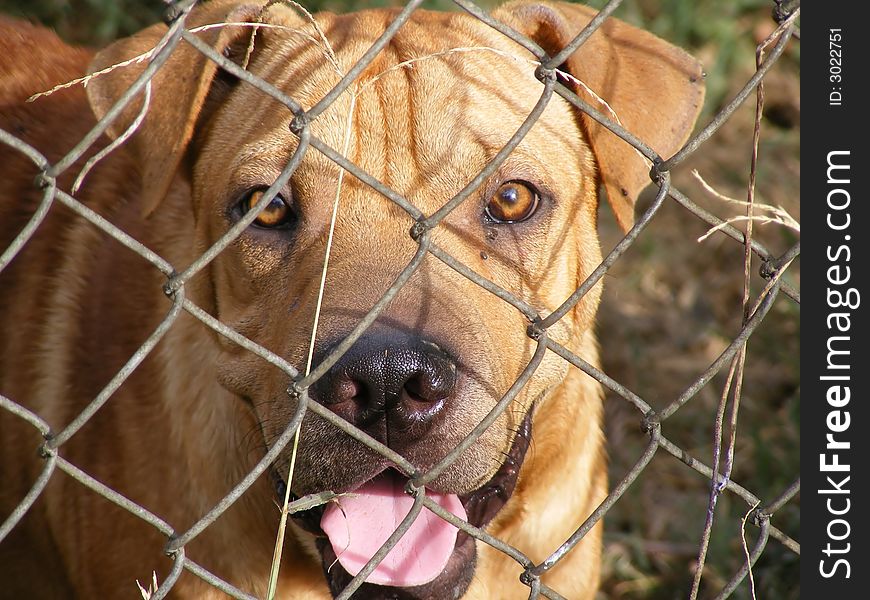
[(363, 521)]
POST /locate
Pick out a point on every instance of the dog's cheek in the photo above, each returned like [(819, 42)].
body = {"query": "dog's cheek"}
[(256, 292), (577, 268), (477, 464), (260, 259), (581, 319)]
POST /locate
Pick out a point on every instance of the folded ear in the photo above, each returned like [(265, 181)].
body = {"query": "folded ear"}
[(178, 90), (654, 88)]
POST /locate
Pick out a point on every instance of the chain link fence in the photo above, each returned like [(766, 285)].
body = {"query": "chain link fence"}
[(653, 416)]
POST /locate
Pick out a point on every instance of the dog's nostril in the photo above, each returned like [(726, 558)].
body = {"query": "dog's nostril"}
[(346, 389), (418, 390), (433, 383)]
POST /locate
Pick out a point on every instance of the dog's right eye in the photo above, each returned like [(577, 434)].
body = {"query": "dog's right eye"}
[(513, 202), (278, 214)]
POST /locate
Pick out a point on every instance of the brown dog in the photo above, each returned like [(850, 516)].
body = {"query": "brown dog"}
[(198, 413)]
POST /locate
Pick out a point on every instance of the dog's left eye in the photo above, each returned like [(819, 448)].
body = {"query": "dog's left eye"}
[(513, 202), (277, 215)]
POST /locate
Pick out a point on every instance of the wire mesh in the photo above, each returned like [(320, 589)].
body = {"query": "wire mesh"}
[(652, 416)]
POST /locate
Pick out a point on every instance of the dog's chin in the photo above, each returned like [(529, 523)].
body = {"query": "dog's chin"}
[(481, 506)]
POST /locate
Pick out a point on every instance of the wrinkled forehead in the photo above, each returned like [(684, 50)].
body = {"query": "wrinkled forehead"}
[(462, 54), (442, 79)]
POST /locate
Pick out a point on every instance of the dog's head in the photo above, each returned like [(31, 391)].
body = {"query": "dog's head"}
[(425, 117)]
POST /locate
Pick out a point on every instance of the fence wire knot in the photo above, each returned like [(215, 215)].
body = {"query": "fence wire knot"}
[(658, 169), (529, 577), (535, 331), (46, 450), (544, 74), (651, 422), (173, 284), (300, 121), (43, 181), (418, 229), (176, 9)]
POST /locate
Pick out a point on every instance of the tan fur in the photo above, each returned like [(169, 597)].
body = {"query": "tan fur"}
[(178, 435)]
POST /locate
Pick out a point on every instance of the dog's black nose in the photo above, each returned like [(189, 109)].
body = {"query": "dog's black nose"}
[(391, 387)]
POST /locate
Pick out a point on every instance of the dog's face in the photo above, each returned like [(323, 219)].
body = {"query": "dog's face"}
[(443, 352), (424, 130), (425, 118)]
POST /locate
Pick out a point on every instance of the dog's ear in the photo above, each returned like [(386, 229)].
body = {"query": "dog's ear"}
[(178, 90), (654, 88)]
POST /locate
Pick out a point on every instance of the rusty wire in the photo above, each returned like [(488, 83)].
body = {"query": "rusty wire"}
[(177, 276)]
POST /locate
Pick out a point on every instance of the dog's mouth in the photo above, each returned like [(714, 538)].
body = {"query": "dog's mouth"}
[(433, 559)]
